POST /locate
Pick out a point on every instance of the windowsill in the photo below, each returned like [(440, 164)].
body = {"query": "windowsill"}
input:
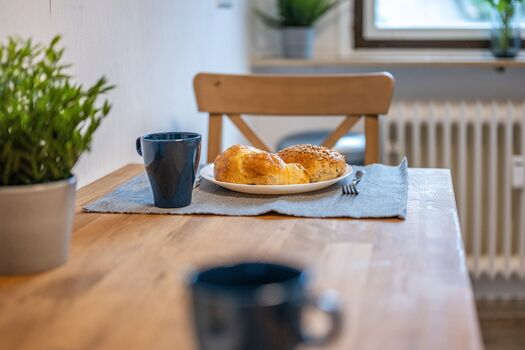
[(452, 59)]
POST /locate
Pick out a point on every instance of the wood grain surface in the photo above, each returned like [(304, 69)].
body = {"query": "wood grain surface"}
[(403, 284), (294, 95)]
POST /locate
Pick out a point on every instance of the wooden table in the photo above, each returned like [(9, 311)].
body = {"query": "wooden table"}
[(403, 284)]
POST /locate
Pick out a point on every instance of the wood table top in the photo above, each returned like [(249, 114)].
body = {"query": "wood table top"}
[(403, 284)]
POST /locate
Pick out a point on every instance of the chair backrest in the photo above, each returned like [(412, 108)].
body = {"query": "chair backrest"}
[(353, 96)]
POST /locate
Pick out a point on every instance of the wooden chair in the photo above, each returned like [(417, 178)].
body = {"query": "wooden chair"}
[(353, 96)]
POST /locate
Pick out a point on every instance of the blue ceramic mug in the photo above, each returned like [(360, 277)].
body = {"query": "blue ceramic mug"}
[(256, 306), (171, 160)]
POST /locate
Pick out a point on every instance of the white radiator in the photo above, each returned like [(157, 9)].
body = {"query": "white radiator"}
[(482, 142)]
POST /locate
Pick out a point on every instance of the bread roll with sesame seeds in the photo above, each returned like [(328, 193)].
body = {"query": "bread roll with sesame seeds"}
[(321, 163)]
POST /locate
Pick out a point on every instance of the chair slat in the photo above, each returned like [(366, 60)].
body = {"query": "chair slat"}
[(340, 131), (248, 132), (372, 139), (294, 95), (214, 136)]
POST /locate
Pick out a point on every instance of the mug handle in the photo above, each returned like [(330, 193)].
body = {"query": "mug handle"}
[(328, 302), (138, 146)]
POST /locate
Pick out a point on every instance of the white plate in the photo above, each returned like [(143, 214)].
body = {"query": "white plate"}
[(207, 173)]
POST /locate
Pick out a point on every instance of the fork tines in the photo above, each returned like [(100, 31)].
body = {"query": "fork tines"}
[(350, 189)]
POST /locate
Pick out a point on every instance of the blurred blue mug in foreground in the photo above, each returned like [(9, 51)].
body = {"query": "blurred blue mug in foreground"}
[(257, 306)]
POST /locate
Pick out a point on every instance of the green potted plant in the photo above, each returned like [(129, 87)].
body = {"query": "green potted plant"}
[(505, 40), (296, 19), (46, 122)]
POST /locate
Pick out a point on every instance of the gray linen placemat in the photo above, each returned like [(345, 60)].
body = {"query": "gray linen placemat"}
[(383, 194)]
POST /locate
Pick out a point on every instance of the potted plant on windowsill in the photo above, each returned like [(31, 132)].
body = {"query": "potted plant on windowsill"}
[(46, 123), (296, 19), (505, 39)]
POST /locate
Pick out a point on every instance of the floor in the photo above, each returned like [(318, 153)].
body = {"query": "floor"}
[(502, 324)]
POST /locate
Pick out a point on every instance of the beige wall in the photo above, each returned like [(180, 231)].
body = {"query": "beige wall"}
[(150, 49)]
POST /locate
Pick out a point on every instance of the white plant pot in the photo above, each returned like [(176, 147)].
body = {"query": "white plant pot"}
[(298, 42), (36, 222)]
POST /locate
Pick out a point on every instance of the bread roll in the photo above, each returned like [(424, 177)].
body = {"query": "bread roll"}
[(249, 165), (321, 163)]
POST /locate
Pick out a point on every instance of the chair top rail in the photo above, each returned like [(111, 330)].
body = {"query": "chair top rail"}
[(352, 94)]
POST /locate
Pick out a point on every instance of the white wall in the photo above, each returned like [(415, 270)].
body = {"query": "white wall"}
[(150, 49)]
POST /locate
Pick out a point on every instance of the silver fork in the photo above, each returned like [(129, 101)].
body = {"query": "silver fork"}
[(351, 188)]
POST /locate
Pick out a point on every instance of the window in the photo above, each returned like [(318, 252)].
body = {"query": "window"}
[(422, 23)]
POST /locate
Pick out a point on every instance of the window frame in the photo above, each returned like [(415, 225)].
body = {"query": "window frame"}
[(423, 39)]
